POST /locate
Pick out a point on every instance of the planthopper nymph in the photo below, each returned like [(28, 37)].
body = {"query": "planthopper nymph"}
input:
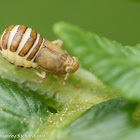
[(26, 48)]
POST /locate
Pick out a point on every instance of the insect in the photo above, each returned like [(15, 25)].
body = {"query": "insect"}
[(26, 48)]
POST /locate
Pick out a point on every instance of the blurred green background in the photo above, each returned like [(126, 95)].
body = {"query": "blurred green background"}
[(115, 19)]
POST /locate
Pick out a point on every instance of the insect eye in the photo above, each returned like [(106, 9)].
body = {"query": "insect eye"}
[(69, 69)]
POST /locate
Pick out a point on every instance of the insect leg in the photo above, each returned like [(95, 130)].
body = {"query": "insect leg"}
[(42, 75), (58, 42), (61, 86)]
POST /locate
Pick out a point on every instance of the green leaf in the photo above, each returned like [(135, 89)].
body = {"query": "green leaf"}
[(111, 120), (30, 109), (21, 109), (116, 65)]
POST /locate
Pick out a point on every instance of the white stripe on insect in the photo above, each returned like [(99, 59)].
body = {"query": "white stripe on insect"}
[(26, 63), (3, 51), (12, 33), (34, 45), (26, 36), (39, 48), (2, 38), (34, 64)]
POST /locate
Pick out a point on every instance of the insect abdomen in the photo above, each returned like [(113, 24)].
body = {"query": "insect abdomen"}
[(20, 45)]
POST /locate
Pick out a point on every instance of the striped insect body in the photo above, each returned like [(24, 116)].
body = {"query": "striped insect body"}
[(20, 45), (25, 47)]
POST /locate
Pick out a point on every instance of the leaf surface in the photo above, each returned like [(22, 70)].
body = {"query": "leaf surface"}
[(116, 65)]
